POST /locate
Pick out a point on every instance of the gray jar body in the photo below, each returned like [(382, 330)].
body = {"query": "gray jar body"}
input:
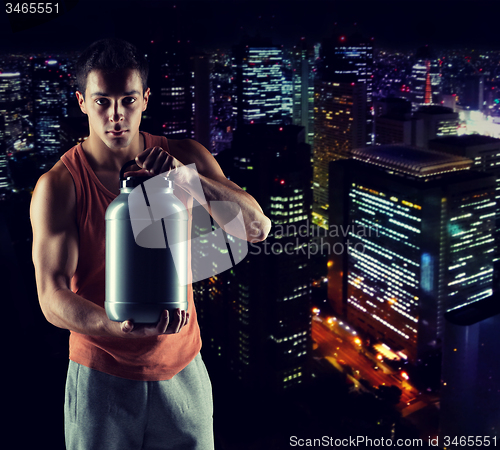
[(142, 282)]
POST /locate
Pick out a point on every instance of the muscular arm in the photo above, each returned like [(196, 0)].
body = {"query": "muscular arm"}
[(215, 188), (55, 257)]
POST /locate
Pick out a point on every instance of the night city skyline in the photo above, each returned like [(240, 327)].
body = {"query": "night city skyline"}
[(212, 23), (380, 115)]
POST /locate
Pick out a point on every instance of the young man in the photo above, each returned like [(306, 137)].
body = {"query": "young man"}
[(128, 386)]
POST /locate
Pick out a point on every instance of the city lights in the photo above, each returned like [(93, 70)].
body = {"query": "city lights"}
[(377, 162)]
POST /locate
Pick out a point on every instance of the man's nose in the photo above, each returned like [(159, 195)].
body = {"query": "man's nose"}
[(117, 112)]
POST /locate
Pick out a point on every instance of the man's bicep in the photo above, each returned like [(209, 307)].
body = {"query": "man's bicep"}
[(55, 236)]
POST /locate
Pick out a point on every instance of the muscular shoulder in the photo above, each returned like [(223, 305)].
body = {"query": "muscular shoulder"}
[(189, 151), (57, 181), (55, 193)]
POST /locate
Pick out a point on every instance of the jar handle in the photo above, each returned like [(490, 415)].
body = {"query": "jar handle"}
[(127, 164)]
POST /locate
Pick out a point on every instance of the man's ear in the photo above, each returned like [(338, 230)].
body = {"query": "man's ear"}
[(81, 101), (146, 98)]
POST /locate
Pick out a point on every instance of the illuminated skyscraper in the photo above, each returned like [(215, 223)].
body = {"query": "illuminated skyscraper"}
[(350, 58), (222, 112), (49, 93), (342, 109), (265, 300), (201, 100), (10, 107), (339, 127), (419, 243), (303, 71), (258, 78), (10, 122), (5, 175), (485, 152), (171, 79)]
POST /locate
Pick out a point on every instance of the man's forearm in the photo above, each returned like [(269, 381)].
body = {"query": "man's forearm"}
[(255, 226), (65, 309)]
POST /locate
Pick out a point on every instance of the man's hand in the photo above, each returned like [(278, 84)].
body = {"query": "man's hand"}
[(179, 318), (155, 160), (198, 173)]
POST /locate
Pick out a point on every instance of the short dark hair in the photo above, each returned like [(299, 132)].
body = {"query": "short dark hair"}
[(110, 55)]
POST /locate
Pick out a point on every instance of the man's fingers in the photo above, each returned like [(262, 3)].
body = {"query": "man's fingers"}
[(169, 323), (176, 323), (139, 159), (178, 320), (163, 323), (151, 156), (127, 326), (182, 320), (158, 162), (155, 160)]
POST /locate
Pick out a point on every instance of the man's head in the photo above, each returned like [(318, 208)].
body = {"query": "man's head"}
[(112, 91), (110, 55)]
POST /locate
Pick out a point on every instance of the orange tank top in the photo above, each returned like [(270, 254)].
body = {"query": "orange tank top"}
[(145, 359)]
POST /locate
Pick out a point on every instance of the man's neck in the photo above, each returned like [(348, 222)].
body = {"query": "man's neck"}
[(102, 158)]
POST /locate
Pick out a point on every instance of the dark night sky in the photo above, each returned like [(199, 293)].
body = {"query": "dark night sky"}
[(393, 24)]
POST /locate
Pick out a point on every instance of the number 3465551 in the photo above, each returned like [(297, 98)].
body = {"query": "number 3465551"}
[(31, 8)]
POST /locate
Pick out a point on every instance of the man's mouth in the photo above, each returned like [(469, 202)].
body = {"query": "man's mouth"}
[(117, 133)]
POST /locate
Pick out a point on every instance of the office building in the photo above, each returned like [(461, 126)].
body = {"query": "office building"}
[(394, 129), (484, 151), (222, 108), (437, 121), (350, 58), (394, 123), (10, 123), (343, 103), (418, 242), (202, 89), (171, 108), (264, 301), (5, 175), (302, 69), (339, 127), (258, 79), (49, 92), (10, 108)]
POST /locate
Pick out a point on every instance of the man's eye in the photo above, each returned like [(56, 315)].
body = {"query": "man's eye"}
[(101, 101), (129, 100)]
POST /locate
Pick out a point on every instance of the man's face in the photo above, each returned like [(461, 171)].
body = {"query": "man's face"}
[(114, 104)]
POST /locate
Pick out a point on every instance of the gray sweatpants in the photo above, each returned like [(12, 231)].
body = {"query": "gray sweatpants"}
[(103, 412)]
